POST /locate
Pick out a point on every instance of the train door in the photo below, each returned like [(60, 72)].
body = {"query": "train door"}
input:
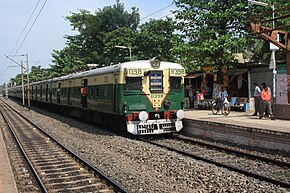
[(40, 94), (58, 92), (36, 92), (50, 92), (32, 92), (115, 95), (84, 92), (46, 93), (69, 92)]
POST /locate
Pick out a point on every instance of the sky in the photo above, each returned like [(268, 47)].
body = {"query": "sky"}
[(50, 27)]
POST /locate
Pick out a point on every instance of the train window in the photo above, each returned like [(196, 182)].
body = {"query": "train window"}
[(133, 84), (91, 91), (175, 83), (156, 81), (40, 94), (97, 92), (106, 91)]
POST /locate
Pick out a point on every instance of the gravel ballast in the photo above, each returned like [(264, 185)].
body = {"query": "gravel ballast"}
[(138, 166)]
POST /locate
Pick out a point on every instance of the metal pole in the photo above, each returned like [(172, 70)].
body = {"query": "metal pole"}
[(28, 86), (274, 61), (6, 90), (23, 101), (130, 53)]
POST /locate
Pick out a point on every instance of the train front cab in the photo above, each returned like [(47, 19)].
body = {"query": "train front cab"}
[(157, 107)]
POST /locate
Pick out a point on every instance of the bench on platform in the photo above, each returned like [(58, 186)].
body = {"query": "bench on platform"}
[(240, 104)]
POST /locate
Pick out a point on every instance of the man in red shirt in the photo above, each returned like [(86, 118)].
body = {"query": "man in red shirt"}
[(266, 103), (84, 91)]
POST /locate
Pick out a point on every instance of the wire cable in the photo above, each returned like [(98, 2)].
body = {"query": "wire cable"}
[(31, 27), (4, 64), (156, 11), (25, 26)]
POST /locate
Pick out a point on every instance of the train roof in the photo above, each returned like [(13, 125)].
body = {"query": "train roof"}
[(144, 64)]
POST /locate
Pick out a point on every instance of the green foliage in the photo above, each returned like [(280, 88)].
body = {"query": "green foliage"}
[(120, 37), (205, 32), (90, 45), (100, 33), (37, 74), (212, 30), (156, 38)]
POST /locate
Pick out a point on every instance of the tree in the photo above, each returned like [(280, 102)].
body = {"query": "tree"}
[(123, 37), (90, 44), (156, 38), (212, 30), (37, 74)]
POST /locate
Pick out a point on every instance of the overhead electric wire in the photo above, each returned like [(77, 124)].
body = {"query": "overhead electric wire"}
[(24, 30), (166, 15), (25, 26), (156, 11), (21, 34), (31, 26)]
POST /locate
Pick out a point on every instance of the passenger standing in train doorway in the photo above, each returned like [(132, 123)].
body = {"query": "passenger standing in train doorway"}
[(84, 91)]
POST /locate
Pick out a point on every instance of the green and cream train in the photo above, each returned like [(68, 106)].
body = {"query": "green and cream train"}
[(141, 97)]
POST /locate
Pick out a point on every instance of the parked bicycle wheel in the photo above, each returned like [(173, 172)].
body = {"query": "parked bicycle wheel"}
[(226, 109), (214, 108)]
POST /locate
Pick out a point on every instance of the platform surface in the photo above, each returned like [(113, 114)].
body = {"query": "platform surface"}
[(7, 183), (240, 119)]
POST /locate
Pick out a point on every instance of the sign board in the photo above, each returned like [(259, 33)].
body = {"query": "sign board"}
[(133, 72), (272, 46), (177, 72)]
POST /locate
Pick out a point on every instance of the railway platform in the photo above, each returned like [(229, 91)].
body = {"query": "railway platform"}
[(7, 183), (240, 128)]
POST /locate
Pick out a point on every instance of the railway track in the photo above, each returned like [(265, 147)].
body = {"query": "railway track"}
[(49, 165), (259, 167)]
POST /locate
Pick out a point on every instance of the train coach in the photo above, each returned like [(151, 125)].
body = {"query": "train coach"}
[(141, 97)]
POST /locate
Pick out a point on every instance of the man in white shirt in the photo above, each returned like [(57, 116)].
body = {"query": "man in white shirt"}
[(257, 97)]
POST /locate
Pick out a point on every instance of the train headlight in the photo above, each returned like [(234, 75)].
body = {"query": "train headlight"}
[(143, 116), (180, 114)]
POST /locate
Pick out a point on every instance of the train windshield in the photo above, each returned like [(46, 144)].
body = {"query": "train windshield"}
[(156, 83), (133, 84), (175, 83)]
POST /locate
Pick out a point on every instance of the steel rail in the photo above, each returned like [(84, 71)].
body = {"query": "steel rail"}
[(229, 150), (96, 171), (37, 177), (247, 173)]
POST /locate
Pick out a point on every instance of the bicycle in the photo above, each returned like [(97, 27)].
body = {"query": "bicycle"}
[(224, 107)]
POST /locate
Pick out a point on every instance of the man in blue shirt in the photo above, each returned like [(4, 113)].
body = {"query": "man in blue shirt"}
[(223, 94)]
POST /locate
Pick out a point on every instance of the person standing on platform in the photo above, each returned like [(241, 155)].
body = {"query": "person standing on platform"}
[(207, 94), (202, 93), (257, 97), (269, 90), (266, 103)]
